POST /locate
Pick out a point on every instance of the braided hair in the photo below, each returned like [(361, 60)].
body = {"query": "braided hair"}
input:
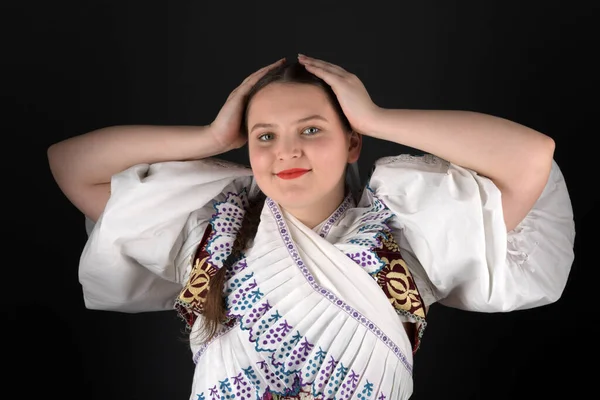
[(215, 312)]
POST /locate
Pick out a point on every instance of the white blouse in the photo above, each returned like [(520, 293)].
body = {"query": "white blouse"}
[(450, 218), (446, 219)]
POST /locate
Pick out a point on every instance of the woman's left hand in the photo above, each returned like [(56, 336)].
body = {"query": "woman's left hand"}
[(350, 91)]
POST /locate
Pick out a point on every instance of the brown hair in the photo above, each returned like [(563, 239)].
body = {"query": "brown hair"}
[(215, 312)]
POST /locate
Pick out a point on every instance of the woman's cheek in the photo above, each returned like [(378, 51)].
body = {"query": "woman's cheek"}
[(259, 158)]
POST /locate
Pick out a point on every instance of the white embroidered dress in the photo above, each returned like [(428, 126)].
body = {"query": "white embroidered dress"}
[(317, 312)]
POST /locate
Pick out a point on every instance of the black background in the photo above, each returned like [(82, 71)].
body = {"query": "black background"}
[(71, 67)]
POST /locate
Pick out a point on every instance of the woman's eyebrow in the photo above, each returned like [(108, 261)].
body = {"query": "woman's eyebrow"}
[(310, 117)]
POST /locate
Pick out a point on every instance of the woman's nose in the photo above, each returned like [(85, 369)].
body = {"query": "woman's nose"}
[(289, 148)]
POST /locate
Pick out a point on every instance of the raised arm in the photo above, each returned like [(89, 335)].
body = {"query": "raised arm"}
[(83, 165), (516, 158)]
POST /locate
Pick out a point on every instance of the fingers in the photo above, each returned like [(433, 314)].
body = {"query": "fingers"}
[(255, 76), (251, 79), (313, 63)]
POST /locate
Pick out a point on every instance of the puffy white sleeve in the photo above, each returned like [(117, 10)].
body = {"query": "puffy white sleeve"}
[(137, 256), (452, 220)]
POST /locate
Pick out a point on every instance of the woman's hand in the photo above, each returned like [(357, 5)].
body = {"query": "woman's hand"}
[(227, 126), (350, 91)]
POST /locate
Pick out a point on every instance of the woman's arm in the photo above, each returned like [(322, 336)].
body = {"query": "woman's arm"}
[(83, 165), (516, 158)]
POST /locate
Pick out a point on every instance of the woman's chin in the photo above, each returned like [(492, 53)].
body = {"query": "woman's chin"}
[(293, 199)]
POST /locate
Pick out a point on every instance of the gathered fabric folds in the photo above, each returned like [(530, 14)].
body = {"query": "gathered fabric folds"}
[(308, 320)]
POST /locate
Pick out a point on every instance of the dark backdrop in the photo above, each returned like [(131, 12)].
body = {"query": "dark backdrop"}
[(71, 67)]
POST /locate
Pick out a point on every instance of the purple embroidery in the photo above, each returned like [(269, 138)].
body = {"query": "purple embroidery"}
[(277, 382), (322, 378), (312, 367), (287, 369), (214, 393), (334, 384), (236, 268), (348, 201), (364, 259), (244, 299), (274, 208), (362, 243), (292, 356), (353, 379), (226, 223), (253, 316), (306, 347)]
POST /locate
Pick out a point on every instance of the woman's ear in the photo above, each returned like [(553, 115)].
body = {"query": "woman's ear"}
[(355, 146)]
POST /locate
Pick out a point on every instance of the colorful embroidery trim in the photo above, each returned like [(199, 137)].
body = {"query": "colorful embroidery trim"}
[(283, 231)]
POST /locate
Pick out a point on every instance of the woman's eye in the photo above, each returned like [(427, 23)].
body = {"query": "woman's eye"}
[(265, 137), (310, 131)]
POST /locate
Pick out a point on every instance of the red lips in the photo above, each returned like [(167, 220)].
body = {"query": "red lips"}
[(292, 173)]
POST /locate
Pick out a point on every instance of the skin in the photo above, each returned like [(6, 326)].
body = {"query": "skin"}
[(83, 165), (516, 158), (295, 126)]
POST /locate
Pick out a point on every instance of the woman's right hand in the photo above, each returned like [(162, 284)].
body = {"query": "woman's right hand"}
[(227, 126)]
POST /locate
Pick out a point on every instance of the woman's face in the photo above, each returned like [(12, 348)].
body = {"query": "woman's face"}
[(294, 127)]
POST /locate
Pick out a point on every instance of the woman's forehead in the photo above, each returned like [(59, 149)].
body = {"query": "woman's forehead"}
[(288, 102)]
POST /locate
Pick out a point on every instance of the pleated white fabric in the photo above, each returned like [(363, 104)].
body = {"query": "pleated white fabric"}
[(310, 319)]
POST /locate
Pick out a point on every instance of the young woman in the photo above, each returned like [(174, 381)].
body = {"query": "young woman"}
[(293, 284)]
